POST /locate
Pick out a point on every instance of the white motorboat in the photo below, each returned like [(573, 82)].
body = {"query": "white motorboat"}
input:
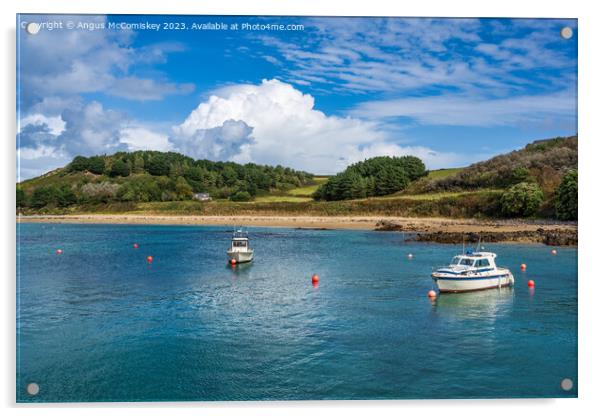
[(240, 251), (472, 271)]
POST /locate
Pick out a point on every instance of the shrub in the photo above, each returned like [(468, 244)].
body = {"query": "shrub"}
[(21, 198), (566, 197), (43, 195), (79, 164), (65, 196), (96, 165), (100, 192), (521, 200), (241, 196), (182, 189)]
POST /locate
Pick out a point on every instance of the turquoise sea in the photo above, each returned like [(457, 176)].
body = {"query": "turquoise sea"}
[(98, 323)]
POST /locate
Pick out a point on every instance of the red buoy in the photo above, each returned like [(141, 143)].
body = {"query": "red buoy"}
[(531, 283), (523, 267), (135, 245), (432, 294), (233, 262), (59, 251), (149, 259), (315, 279)]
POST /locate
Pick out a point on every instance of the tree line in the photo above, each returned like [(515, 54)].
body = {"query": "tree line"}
[(383, 175), (144, 176)]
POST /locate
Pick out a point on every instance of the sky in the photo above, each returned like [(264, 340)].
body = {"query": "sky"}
[(312, 93)]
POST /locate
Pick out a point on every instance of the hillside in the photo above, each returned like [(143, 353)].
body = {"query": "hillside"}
[(538, 181), (146, 176), (543, 161)]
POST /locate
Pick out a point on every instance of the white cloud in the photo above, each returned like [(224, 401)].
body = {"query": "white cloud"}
[(286, 129), (455, 110), (55, 124), (92, 130), (34, 161), (65, 63), (140, 138), (401, 55)]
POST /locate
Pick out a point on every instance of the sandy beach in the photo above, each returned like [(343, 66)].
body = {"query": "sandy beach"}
[(427, 229)]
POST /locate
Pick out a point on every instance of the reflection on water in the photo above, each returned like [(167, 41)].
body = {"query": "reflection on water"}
[(488, 305)]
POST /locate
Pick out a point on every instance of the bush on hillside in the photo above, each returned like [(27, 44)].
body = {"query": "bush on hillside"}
[(521, 200)]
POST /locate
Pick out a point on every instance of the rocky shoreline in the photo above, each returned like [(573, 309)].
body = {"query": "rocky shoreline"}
[(550, 235)]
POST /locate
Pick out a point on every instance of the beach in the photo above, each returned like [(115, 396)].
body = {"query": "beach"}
[(444, 230)]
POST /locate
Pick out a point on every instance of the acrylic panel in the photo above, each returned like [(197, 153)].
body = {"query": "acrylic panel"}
[(231, 208)]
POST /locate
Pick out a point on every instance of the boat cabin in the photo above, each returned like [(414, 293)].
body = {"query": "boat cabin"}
[(477, 260), (240, 241)]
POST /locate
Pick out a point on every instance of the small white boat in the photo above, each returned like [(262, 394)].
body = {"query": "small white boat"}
[(240, 250), (472, 271)]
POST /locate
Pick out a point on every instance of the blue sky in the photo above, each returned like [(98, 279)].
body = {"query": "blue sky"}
[(330, 93)]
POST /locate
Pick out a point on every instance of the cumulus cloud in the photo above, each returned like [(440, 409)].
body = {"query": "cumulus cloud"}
[(92, 130), (141, 138), (274, 123), (54, 125), (222, 142)]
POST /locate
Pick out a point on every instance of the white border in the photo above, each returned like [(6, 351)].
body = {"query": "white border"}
[(590, 348)]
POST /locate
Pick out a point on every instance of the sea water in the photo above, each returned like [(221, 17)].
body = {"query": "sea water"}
[(99, 323)]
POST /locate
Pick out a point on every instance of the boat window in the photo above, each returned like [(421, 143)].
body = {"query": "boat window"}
[(482, 263), (239, 244), (466, 262), (456, 260)]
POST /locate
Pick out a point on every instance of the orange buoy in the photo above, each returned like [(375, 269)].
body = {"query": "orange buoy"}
[(554, 252), (523, 267), (59, 251), (135, 245), (315, 279), (233, 262), (531, 283), (432, 294), (149, 259)]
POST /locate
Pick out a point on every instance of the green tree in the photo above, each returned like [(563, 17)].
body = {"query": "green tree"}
[(65, 196), (138, 163), (21, 198), (182, 189), (43, 196), (521, 200), (158, 165), (119, 168), (566, 196), (79, 164), (96, 165)]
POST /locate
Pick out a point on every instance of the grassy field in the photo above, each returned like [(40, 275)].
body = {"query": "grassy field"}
[(439, 195), (442, 173), (308, 191), (282, 198), (463, 205)]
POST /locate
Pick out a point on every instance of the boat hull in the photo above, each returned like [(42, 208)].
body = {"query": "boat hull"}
[(453, 284), (241, 256)]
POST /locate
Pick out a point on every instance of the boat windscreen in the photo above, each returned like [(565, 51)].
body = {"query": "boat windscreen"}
[(466, 262)]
